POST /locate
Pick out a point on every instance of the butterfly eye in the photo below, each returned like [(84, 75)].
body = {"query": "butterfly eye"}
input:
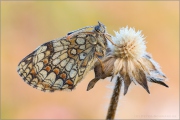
[(100, 28), (97, 28)]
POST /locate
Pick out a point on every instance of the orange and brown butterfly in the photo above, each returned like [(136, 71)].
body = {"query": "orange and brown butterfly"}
[(61, 63)]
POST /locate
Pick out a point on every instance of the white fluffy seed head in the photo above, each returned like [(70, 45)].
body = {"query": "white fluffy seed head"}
[(128, 59), (131, 44)]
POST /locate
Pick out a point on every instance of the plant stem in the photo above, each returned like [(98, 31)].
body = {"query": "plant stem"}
[(114, 100)]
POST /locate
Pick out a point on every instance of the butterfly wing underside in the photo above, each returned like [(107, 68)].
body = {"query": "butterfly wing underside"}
[(58, 64)]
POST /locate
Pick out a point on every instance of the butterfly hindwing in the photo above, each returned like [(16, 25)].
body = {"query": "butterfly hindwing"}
[(61, 63), (58, 64)]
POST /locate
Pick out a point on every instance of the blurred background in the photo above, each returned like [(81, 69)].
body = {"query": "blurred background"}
[(28, 24)]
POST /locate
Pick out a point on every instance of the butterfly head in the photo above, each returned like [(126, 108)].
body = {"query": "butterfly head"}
[(100, 28)]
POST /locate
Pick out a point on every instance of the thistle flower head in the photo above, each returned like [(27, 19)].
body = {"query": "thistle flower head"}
[(131, 44), (129, 60), (132, 62)]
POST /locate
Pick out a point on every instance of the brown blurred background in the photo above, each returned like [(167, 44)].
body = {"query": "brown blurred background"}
[(26, 25)]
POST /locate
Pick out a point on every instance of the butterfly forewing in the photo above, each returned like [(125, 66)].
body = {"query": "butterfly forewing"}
[(62, 63)]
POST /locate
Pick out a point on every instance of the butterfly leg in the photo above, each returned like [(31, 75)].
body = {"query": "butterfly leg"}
[(108, 37)]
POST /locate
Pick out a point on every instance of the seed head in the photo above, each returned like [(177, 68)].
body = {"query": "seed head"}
[(129, 60), (131, 44)]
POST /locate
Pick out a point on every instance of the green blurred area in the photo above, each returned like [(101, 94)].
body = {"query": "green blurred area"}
[(27, 24)]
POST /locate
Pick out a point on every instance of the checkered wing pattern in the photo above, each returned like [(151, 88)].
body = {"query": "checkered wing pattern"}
[(62, 63)]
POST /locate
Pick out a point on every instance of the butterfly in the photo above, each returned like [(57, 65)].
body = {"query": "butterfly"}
[(62, 63)]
